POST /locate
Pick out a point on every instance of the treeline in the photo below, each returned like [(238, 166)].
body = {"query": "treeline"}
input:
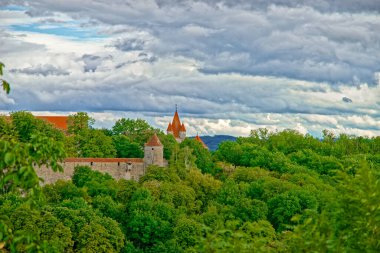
[(125, 139), (269, 192)]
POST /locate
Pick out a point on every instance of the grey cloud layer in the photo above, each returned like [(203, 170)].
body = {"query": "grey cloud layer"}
[(315, 40), (44, 70), (322, 5), (234, 61)]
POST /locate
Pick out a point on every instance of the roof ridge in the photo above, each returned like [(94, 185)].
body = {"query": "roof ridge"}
[(154, 141)]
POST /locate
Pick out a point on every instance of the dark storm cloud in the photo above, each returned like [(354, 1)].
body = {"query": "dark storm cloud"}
[(44, 70)]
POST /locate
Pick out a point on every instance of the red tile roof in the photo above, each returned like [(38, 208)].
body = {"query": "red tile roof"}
[(197, 138), (176, 126), (59, 122), (182, 129), (104, 160), (154, 142), (169, 129)]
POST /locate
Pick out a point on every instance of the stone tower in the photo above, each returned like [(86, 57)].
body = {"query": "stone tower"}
[(154, 152), (176, 128)]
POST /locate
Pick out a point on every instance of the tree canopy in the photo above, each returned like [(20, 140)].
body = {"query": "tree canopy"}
[(269, 192)]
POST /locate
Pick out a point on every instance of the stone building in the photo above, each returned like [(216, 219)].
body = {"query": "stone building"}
[(118, 168), (154, 152)]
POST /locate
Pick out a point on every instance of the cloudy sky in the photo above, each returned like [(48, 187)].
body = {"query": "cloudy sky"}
[(231, 66)]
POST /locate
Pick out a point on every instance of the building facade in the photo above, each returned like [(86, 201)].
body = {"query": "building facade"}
[(118, 168)]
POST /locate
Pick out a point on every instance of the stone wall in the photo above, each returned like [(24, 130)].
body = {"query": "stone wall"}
[(118, 168)]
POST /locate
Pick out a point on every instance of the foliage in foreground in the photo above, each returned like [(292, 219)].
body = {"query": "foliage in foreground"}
[(280, 192)]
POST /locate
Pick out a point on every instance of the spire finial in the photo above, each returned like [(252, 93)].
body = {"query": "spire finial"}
[(176, 107)]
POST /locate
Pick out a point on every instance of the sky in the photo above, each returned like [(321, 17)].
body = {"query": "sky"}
[(231, 66)]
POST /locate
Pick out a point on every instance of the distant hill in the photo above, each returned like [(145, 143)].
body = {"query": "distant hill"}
[(212, 142)]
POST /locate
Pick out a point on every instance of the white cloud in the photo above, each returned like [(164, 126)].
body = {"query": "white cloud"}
[(231, 66)]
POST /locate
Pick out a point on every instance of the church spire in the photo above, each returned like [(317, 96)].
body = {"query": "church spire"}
[(176, 127)]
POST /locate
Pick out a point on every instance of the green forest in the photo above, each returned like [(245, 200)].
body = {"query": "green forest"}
[(268, 192)]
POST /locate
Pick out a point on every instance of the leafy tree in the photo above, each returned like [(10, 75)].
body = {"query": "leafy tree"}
[(5, 84), (7, 131), (203, 156), (187, 232), (79, 122), (26, 125), (102, 236), (169, 143), (305, 196), (91, 232), (250, 237), (86, 141), (231, 152), (96, 182), (17, 161), (126, 148), (108, 207), (149, 222), (182, 160), (27, 146), (260, 134), (160, 174), (205, 186), (125, 190), (136, 130), (61, 190), (286, 205), (94, 143), (43, 227)]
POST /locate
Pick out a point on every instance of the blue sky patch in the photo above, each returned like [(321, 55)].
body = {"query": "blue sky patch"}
[(13, 8), (69, 29)]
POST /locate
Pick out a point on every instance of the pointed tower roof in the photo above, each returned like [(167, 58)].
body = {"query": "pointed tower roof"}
[(197, 138), (176, 121), (182, 128), (170, 128), (154, 142), (176, 124)]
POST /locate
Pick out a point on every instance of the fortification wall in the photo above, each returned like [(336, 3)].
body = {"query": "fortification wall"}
[(118, 168)]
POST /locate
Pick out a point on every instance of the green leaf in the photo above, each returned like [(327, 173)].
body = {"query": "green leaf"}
[(9, 158), (6, 86), (1, 68)]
